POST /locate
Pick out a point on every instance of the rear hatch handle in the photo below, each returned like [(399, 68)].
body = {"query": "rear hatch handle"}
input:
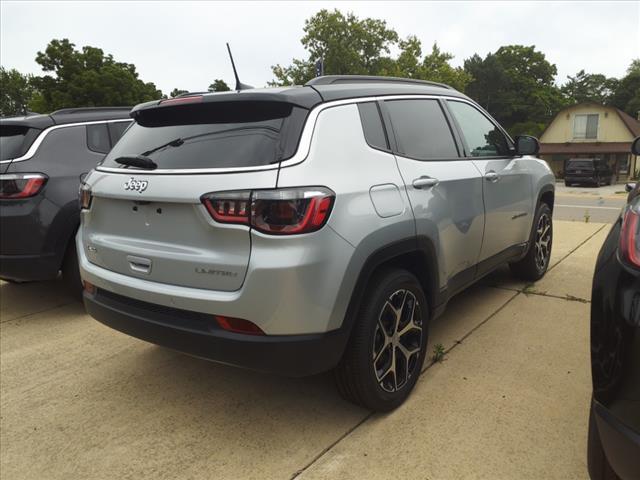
[(139, 264)]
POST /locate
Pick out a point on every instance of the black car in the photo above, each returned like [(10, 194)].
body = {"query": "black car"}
[(587, 171), (614, 420), (42, 161)]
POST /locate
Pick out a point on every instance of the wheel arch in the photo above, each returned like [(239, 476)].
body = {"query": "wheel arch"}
[(416, 255)]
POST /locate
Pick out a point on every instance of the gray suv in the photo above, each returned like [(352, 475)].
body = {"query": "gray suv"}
[(302, 229)]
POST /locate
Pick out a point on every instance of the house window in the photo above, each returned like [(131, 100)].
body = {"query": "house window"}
[(585, 126)]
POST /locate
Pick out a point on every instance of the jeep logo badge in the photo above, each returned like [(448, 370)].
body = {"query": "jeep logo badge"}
[(136, 185)]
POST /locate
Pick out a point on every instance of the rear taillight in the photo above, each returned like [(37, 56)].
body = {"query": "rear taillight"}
[(630, 237), (21, 185), (85, 197), (286, 211)]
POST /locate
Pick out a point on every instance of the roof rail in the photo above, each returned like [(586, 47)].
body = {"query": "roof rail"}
[(66, 111), (335, 79)]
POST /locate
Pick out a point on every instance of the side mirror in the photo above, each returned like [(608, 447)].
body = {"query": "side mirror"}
[(527, 145), (629, 187), (635, 146)]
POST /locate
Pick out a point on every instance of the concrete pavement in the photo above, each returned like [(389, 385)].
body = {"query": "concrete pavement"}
[(597, 205), (510, 400)]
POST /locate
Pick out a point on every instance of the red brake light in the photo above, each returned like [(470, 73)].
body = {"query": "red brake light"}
[(238, 325), (21, 185), (229, 207), (630, 237), (182, 100), (286, 211)]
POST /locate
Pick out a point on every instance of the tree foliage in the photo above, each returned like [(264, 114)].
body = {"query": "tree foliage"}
[(626, 96), (87, 78), (587, 87), (516, 84), (218, 85), (16, 91), (176, 92), (348, 45)]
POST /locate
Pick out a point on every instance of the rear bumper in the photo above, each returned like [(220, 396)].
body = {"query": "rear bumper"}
[(27, 268), (199, 335), (621, 444)]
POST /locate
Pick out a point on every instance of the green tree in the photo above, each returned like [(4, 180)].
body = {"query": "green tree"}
[(176, 91), (626, 95), (587, 87), (345, 43), (16, 91), (219, 85), (88, 77), (516, 85)]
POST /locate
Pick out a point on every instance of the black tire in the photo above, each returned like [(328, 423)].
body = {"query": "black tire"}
[(71, 271), (373, 384), (535, 263), (566, 184), (599, 466)]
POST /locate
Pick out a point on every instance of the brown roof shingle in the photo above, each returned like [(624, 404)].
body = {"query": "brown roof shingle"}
[(584, 148)]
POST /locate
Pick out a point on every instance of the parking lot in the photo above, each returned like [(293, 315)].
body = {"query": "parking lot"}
[(509, 400)]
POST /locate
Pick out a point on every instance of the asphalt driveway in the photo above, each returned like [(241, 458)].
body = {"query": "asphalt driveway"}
[(510, 399)]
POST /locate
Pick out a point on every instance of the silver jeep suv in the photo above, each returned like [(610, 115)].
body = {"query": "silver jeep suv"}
[(302, 229)]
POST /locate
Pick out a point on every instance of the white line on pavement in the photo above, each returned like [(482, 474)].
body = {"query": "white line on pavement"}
[(589, 206)]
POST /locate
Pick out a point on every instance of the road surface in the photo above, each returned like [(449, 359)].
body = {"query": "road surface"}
[(599, 205)]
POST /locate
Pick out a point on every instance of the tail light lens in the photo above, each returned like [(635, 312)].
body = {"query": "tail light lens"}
[(21, 185), (287, 211), (85, 197), (630, 236)]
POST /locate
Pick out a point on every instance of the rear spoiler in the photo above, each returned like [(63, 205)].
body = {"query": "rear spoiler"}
[(200, 109)]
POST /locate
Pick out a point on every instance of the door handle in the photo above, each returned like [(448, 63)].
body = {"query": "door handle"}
[(424, 182), (139, 264), (492, 176)]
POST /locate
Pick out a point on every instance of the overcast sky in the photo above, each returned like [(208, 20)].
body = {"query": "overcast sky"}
[(181, 44)]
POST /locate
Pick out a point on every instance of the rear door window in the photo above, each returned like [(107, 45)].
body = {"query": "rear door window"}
[(421, 129), (15, 140), (580, 164), (483, 138), (98, 138), (234, 137)]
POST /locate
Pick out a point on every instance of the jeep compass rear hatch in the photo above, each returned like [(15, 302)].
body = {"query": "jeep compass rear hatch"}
[(146, 217)]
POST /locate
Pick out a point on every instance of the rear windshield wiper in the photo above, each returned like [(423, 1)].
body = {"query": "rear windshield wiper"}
[(138, 161)]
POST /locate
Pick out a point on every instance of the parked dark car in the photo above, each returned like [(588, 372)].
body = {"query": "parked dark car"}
[(614, 420), (42, 161), (588, 171)]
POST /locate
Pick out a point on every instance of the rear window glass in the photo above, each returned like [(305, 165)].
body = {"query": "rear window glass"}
[(15, 141), (586, 164), (372, 125), (421, 129), (219, 144)]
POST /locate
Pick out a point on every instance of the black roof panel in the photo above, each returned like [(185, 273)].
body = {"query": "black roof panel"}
[(68, 115), (342, 91)]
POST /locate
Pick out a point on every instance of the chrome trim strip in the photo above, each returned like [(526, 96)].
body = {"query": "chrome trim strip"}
[(40, 138), (303, 147)]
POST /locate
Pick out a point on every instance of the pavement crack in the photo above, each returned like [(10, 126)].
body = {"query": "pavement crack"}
[(577, 247), (36, 313)]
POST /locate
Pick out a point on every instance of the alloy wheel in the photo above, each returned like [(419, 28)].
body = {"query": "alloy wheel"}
[(543, 241), (397, 341)]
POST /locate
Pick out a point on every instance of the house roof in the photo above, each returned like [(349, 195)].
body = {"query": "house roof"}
[(631, 123), (569, 148)]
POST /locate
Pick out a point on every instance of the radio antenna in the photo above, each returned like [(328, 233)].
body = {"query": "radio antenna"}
[(239, 84)]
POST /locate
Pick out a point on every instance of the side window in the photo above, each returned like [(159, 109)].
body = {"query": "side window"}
[(421, 129), (116, 129), (98, 138), (483, 138), (372, 125)]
